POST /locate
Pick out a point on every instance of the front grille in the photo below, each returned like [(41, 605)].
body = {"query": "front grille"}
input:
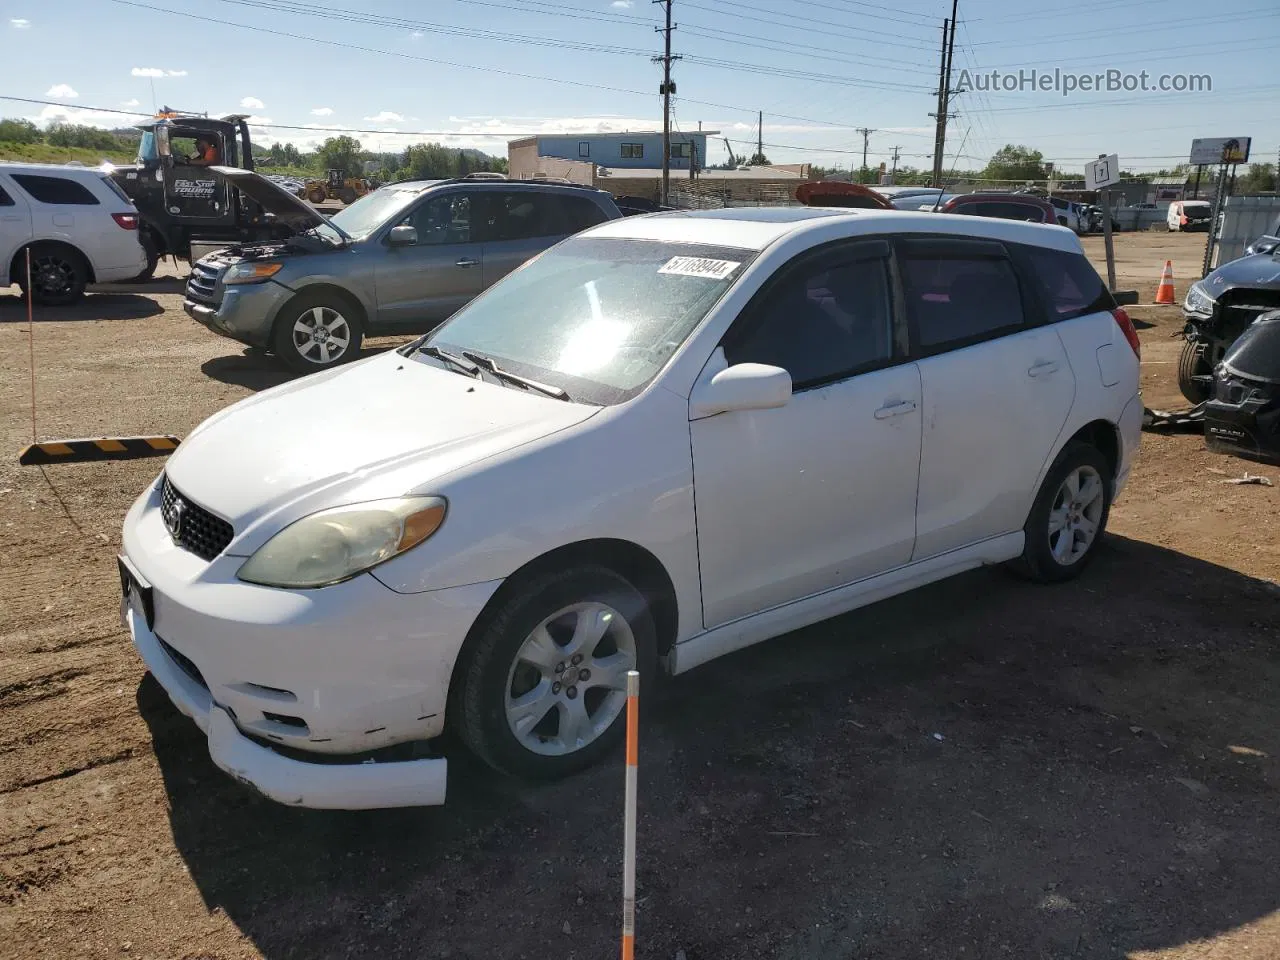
[(184, 664), (191, 525), (203, 283)]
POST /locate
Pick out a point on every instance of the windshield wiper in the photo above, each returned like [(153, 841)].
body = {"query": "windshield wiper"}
[(431, 350), (491, 365)]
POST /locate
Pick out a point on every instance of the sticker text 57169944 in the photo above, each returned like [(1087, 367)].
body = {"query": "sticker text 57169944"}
[(699, 267)]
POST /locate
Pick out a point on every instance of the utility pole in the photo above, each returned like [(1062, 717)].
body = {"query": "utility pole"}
[(760, 137), (866, 136), (893, 174), (666, 89), (944, 93)]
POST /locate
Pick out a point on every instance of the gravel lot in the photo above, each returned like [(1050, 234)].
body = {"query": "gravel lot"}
[(982, 769)]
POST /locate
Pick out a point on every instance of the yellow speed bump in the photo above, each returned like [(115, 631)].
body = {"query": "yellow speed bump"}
[(100, 448)]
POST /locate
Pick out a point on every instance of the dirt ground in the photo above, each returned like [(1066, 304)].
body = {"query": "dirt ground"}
[(982, 769)]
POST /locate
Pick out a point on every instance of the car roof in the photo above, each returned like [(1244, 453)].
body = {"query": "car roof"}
[(60, 169), (490, 184), (755, 228)]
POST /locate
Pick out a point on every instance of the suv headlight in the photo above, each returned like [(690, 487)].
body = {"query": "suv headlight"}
[(251, 272), (337, 544), (1197, 300)]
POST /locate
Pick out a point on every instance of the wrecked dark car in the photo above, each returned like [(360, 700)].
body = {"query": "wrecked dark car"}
[(1243, 417)]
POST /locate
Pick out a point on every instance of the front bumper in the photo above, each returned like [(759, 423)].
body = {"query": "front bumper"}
[(335, 673), (245, 313)]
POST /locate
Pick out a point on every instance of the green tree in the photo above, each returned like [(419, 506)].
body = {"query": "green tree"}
[(464, 163), (1260, 178), (340, 153), (758, 160), (19, 131), (1016, 163), (79, 135)]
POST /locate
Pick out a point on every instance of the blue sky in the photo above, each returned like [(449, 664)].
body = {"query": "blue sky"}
[(481, 70)]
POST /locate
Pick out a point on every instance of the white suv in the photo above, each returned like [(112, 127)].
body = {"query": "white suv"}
[(664, 439), (79, 225)]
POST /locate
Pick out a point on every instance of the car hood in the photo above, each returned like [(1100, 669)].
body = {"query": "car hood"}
[(274, 199), (1260, 271), (383, 427)]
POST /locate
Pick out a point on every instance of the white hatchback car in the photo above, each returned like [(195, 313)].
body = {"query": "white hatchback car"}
[(79, 226), (664, 439)]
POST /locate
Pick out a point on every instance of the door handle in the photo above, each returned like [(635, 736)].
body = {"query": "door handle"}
[(467, 262), (895, 409), (1043, 368)]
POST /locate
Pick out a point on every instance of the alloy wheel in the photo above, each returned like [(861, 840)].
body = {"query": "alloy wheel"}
[(52, 276), (321, 335), (1076, 515), (568, 681)]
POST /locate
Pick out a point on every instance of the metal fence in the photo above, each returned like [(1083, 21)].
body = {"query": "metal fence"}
[(704, 195), (1245, 220)]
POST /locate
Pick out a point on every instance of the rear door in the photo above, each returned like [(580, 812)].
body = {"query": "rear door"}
[(423, 285), (520, 224), (997, 389), (15, 222)]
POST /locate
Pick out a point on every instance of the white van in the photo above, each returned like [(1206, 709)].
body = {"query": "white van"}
[(79, 226), (1189, 215)]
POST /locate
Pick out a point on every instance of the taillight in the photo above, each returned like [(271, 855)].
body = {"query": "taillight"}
[(127, 220), (1127, 328)]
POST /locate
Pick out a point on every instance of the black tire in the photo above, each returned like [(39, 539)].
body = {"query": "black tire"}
[(347, 195), (1038, 561), (317, 197), (489, 670), (153, 258), (288, 342), (58, 274), (1192, 363)]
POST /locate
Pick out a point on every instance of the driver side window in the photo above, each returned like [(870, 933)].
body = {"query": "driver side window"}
[(824, 321), (442, 220)]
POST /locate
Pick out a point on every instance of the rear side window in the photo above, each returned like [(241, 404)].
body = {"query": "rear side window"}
[(5, 199), (955, 300), (58, 190), (115, 188), (527, 215), (579, 213), (1003, 210), (1067, 282)]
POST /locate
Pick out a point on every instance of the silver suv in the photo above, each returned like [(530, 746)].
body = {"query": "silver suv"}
[(400, 260)]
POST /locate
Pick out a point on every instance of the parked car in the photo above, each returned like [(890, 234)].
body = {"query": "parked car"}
[(911, 198), (1217, 310), (1243, 415), (491, 525), (1003, 206), (1188, 215), (1269, 242), (79, 227), (1070, 214), (399, 260)]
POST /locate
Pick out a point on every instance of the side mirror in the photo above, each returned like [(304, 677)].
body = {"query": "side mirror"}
[(403, 236), (743, 386)]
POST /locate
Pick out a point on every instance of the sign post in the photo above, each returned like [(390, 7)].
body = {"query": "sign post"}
[(1222, 152), (1099, 175)]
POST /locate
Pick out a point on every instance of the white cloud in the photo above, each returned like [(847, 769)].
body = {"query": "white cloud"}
[(18, 23), (63, 91), (322, 112), (621, 4), (252, 103), (156, 72), (68, 114), (416, 35), (130, 103), (386, 116)]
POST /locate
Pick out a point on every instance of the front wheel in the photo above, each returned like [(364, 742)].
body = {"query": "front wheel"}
[(542, 689), (317, 332), (1193, 363), (1068, 517)]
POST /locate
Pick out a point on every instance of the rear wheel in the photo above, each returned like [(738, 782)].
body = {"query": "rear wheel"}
[(541, 691), (347, 195), (317, 332), (1068, 517), (58, 274), (317, 196), (1194, 362)]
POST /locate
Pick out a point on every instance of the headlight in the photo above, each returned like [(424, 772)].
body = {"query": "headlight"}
[(1197, 300), (335, 545), (252, 272)]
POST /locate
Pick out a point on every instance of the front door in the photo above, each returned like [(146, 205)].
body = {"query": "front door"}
[(821, 492), (420, 286), (997, 390)]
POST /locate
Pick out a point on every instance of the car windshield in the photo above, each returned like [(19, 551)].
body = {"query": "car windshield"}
[(374, 209), (597, 318)]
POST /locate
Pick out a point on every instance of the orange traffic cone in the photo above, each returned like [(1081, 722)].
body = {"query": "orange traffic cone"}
[(1164, 292)]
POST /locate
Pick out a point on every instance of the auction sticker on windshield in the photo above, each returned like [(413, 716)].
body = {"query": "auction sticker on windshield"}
[(699, 267)]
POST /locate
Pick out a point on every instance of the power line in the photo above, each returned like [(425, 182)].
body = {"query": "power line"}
[(828, 28)]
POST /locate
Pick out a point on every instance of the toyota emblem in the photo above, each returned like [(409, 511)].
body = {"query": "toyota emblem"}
[(173, 518)]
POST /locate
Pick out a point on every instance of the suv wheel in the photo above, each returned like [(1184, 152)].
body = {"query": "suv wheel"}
[(1194, 362), (58, 275), (1068, 517), (317, 332)]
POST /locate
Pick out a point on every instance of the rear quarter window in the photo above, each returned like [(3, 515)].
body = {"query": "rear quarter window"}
[(56, 190), (1066, 282), (5, 199)]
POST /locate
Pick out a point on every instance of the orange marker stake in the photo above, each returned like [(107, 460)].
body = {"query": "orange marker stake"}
[(629, 818)]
